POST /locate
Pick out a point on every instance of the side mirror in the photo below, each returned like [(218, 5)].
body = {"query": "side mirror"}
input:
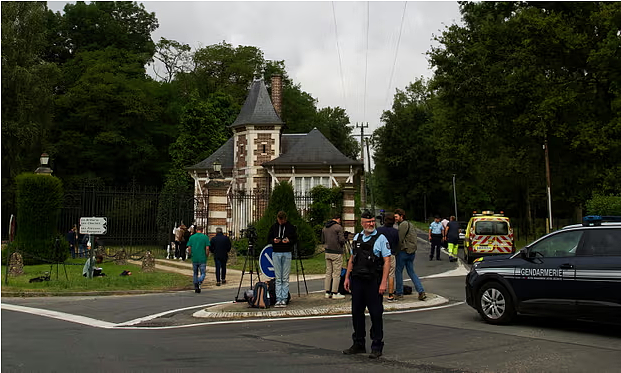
[(524, 253)]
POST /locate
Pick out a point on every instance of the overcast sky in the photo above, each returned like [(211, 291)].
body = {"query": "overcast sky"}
[(305, 35)]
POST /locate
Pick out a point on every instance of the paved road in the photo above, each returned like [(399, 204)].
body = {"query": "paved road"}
[(450, 339)]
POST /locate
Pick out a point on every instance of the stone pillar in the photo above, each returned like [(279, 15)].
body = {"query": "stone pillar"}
[(217, 206), (148, 262), (349, 217), (16, 264)]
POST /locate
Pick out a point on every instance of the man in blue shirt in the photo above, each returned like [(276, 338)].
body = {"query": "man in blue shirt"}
[(366, 279), (435, 237)]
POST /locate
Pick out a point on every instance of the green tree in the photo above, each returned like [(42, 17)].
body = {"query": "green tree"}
[(282, 199)]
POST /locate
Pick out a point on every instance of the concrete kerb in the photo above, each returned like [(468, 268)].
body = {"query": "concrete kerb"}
[(226, 311)]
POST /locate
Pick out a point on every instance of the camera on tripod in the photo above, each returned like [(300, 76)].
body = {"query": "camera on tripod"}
[(250, 233)]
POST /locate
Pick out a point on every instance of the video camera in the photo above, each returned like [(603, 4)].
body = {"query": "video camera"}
[(250, 233)]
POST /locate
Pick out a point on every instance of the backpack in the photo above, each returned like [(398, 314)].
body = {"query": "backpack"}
[(261, 298)]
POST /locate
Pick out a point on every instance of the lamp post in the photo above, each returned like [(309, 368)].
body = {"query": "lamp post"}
[(548, 188), (44, 168), (217, 168)]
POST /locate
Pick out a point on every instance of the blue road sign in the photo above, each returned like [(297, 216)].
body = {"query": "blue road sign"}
[(266, 263)]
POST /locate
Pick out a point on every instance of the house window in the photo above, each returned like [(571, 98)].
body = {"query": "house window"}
[(304, 184), (263, 148)]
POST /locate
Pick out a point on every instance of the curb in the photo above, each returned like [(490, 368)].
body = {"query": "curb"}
[(432, 301)]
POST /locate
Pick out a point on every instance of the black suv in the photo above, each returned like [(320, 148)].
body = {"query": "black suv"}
[(574, 272)]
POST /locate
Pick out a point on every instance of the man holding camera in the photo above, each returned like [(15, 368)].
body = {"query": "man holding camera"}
[(368, 267), (282, 235)]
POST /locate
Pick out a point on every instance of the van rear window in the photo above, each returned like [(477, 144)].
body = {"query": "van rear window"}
[(496, 228)]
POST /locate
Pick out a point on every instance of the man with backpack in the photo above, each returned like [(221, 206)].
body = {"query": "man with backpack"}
[(198, 249), (367, 280), (406, 256), (332, 236)]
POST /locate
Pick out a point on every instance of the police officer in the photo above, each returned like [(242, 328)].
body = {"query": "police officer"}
[(366, 279)]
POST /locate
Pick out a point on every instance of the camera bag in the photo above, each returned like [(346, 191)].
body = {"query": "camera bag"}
[(261, 296)]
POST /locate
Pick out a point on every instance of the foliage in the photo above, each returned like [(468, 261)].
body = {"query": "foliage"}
[(604, 205), (282, 199), (39, 198), (326, 203)]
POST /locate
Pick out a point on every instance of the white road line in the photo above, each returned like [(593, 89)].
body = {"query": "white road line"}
[(108, 325), (60, 316), (156, 315)]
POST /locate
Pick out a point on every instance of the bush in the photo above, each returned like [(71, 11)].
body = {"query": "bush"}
[(604, 205), (39, 198), (282, 199), (326, 203)]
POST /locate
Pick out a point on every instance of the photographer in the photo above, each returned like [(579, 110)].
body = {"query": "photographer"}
[(282, 235)]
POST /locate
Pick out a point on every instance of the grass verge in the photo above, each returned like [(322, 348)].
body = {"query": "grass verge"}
[(138, 280)]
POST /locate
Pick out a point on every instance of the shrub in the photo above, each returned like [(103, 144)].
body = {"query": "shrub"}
[(604, 205), (39, 198), (282, 199), (326, 202)]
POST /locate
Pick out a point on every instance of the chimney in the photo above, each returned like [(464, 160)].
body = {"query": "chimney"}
[(277, 94)]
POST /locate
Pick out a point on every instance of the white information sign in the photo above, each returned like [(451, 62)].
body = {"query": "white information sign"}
[(93, 225)]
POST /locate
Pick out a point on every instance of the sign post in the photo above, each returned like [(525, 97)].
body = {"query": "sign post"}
[(266, 263), (91, 226)]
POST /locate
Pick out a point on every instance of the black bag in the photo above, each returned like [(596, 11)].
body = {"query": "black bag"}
[(271, 286), (261, 296), (407, 290)]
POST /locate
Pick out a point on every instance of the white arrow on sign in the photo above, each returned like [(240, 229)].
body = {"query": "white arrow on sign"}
[(93, 225)]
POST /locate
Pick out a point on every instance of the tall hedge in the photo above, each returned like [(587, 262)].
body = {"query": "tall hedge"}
[(39, 199), (604, 205), (282, 199)]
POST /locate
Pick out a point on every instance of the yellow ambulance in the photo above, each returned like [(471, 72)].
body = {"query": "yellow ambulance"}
[(488, 233)]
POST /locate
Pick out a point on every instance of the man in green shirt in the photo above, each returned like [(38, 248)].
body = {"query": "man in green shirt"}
[(198, 249)]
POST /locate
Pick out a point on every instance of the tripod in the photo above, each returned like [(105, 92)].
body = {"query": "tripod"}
[(254, 266), (56, 259), (297, 274)]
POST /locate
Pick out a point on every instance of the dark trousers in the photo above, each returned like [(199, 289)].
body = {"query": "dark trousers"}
[(177, 245), (436, 243), (180, 249), (365, 294), (220, 269)]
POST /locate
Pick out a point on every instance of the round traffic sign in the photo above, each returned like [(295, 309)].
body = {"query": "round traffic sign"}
[(266, 263)]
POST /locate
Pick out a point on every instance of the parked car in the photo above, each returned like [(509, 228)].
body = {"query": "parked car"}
[(574, 272)]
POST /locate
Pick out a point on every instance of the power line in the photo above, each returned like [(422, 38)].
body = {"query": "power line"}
[(394, 63), (366, 68), (338, 51)]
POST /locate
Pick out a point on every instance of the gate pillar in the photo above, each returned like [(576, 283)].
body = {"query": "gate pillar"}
[(349, 217), (217, 203)]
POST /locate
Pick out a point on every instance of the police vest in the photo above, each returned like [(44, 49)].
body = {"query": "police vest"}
[(366, 264)]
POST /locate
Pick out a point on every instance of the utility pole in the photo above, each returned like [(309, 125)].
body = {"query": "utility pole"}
[(363, 191), (455, 198), (549, 184), (370, 177)]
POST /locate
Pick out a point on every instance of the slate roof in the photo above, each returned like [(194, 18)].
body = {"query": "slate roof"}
[(224, 154), (258, 107), (310, 149)]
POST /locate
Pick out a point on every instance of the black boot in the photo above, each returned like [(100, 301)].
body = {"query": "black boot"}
[(355, 349)]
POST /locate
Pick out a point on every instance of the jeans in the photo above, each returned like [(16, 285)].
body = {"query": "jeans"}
[(196, 267), (407, 260), (282, 268), (220, 269)]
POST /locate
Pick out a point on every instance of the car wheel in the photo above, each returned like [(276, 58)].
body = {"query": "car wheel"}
[(495, 304)]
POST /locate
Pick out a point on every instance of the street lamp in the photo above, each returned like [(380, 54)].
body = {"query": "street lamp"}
[(44, 168), (455, 196), (217, 167)]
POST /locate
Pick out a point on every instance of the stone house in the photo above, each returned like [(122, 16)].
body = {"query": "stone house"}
[(259, 155)]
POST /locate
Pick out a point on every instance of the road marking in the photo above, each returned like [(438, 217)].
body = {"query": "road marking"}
[(60, 316), (128, 324)]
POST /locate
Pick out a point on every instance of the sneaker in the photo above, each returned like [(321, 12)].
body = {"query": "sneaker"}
[(338, 296), (398, 297), (218, 284), (375, 354), (430, 259), (223, 282), (328, 296), (280, 304), (391, 298), (355, 349), (422, 296)]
